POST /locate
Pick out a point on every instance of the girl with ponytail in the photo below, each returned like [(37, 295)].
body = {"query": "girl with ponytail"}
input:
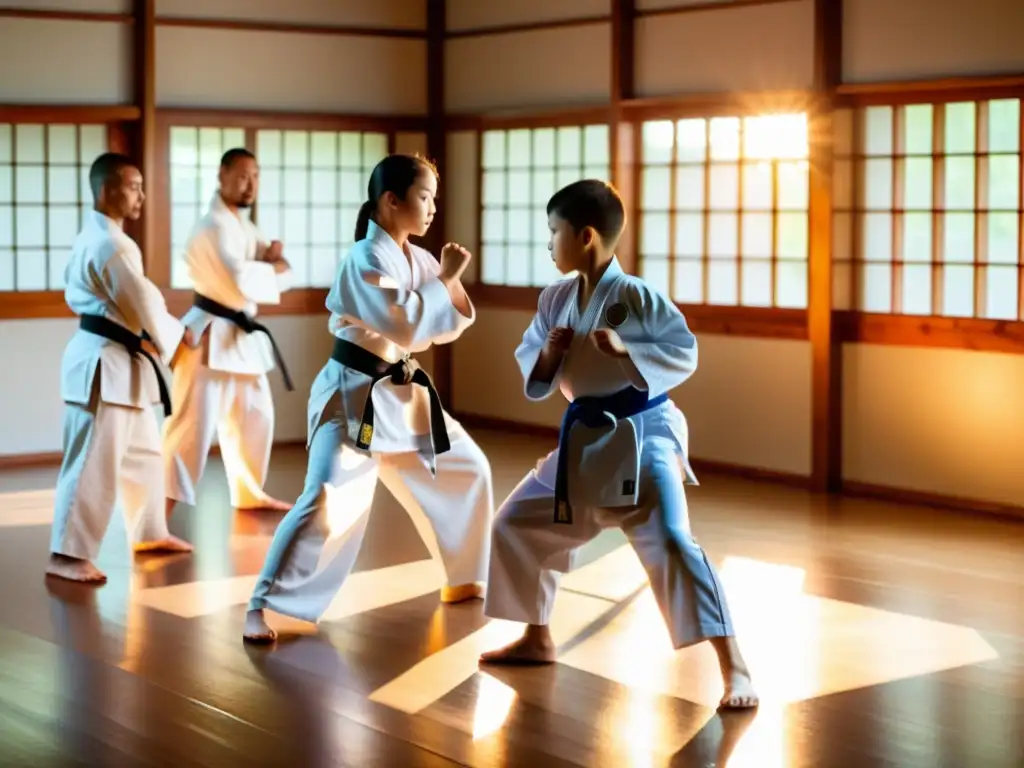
[(393, 179), (373, 410)]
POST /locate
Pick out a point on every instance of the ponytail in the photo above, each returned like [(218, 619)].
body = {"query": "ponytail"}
[(363, 219)]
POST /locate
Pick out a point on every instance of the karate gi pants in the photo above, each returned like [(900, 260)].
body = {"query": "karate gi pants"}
[(111, 453), (317, 542), (529, 550), (240, 409)]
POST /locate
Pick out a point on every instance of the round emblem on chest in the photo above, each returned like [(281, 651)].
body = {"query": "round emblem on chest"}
[(616, 315)]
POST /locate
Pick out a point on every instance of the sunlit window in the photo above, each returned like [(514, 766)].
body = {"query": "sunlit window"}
[(44, 191), (195, 163), (724, 210), (522, 169), (311, 186), (928, 209)]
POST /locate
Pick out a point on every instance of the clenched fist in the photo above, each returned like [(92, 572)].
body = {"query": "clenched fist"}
[(609, 342), (551, 354), (454, 260), (558, 341), (274, 252)]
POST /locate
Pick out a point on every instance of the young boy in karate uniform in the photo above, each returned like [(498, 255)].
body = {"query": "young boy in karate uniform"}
[(615, 348)]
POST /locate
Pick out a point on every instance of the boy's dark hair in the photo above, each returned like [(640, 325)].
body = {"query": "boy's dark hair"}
[(394, 174), (106, 172), (228, 158), (591, 203)]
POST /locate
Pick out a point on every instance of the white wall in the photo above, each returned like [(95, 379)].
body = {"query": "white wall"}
[(746, 48), (396, 14), (922, 39), (100, 51), (30, 421), (545, 68), (283, 71), (293, 71)]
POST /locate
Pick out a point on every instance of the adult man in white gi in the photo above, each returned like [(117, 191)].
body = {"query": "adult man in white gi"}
[(221, 385), (109, 383)]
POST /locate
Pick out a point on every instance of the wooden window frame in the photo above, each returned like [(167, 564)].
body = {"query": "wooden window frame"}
[(299, 301), (119, 120), (529, 290), (512, 296), (758, 322), (973, 333)]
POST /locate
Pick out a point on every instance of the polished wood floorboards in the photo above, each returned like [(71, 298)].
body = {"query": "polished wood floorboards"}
[(879, 635)]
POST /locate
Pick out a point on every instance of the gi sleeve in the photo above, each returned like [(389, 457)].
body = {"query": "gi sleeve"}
[(662, 350), (220, 271), (530, 348), (141, 303), (367, 294)]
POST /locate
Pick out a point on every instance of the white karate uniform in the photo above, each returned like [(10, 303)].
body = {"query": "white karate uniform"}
[(111, 436), (392, 304), (528, 549), (221, 386)]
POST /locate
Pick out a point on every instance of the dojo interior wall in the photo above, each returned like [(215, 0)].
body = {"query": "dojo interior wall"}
[(942, 421), (935, 420), (938, 420), (750, 403), (221, 68)]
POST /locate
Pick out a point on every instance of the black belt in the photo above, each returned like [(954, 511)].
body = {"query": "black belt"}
[(247, 324), (403, 372), (111, 331)]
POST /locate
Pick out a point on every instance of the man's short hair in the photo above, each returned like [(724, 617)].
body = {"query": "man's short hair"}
[(232, 155), (106, 171)]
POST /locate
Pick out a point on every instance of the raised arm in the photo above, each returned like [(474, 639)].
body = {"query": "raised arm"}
[(457, 295), (272, 252), (662, 352), (538, 384), (220, 271), (141, 303), (367, 294)]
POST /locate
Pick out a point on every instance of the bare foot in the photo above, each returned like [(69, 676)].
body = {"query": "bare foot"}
[(73, 569), (170, 544), (461, 592), (739, 689), (534, 647), (256, 629), (739, 692), (274, 505)]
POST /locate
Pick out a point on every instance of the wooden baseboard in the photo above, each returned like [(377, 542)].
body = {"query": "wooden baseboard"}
[(473, 421), (708, 466), (29, 460), (53, 458), (712, 467), (926, 499)]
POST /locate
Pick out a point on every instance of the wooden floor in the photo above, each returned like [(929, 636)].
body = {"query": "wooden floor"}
[(878, 636)]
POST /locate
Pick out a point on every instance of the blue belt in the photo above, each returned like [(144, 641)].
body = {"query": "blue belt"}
[(590, 410)]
